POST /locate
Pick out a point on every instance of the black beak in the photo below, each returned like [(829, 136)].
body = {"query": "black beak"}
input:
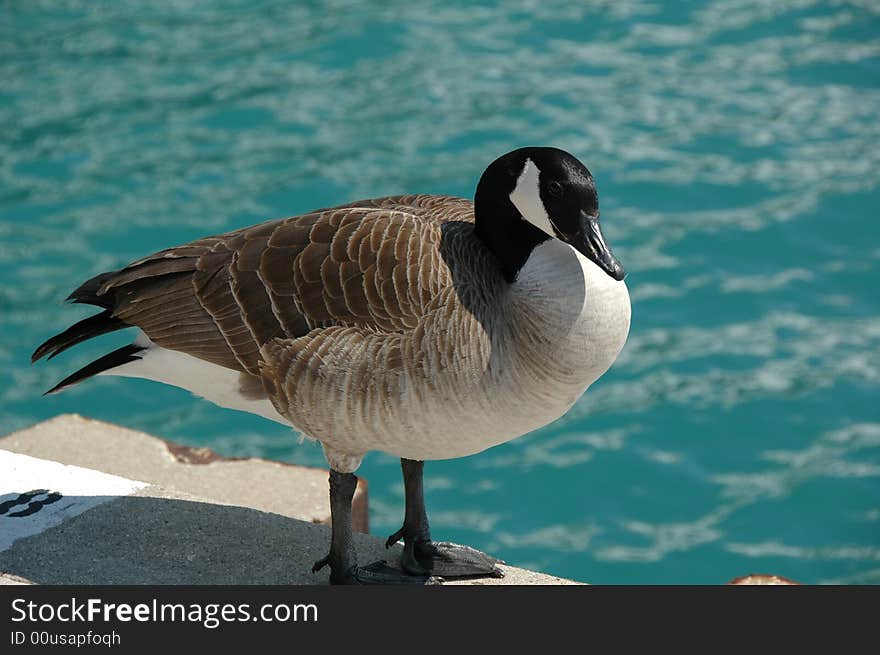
[(588, 240)]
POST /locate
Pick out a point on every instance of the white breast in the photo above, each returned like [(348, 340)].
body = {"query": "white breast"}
[(567, 323), (571, 318)]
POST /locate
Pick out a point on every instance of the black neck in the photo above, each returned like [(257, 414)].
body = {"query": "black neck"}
[(506, 233)]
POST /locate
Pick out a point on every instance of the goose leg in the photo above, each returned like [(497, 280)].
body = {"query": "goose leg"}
[(342, 557), (421, 556)]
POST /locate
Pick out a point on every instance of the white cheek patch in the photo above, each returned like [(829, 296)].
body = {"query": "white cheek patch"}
[(526, 197)]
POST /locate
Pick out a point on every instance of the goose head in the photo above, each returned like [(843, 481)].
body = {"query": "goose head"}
[(533, 194)]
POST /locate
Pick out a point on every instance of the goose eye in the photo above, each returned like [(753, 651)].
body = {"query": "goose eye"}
[(555, 189)]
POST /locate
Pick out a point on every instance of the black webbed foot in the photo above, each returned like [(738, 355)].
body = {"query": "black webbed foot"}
[(422, 556), (445, 559), (377, 573), (423, 561)]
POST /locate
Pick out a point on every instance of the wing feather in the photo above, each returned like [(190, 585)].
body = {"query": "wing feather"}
[(374, 265)]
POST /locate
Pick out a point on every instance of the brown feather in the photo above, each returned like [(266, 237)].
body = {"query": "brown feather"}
[(237, 298)]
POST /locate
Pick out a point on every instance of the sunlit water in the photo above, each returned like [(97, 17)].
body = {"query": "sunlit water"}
[(736, 145)]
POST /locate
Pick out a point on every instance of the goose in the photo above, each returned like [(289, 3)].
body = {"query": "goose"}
[(424, 326)]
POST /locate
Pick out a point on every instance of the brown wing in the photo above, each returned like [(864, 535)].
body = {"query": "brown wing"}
[(373, 264)]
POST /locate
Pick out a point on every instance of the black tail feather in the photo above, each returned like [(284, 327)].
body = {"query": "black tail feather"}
[(118, 357), (92, 326), (87, 292)]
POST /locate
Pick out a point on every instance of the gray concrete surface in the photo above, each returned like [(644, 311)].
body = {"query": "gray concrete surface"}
[(214, 522), (299, 492)]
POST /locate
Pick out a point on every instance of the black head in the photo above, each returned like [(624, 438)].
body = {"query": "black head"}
[(533, 194)]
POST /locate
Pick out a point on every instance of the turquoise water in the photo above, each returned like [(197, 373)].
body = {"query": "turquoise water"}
[(736, 146)]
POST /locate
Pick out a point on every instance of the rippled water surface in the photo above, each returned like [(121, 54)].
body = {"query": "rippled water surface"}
[(736, 145)]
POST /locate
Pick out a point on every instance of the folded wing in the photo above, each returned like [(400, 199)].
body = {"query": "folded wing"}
[(373, 264)]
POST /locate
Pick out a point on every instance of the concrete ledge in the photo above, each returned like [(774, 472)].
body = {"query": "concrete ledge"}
[(116, 506), (299, 492)]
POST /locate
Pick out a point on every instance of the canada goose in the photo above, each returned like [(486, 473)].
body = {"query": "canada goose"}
[(424, 326)]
